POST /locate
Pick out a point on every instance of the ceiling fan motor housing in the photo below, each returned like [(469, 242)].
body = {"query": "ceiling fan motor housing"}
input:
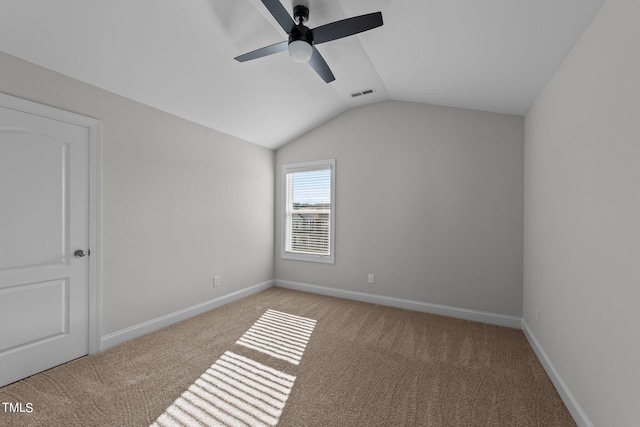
[(301, 33)]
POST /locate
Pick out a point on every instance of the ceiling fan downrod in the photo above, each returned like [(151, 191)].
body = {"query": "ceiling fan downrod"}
[(300, 14)]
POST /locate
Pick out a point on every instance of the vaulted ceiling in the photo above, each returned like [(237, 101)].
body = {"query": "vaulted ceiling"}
[(177, 56)]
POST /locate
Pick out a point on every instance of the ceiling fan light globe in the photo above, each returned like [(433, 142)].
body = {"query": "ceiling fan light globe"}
[(300, 51)]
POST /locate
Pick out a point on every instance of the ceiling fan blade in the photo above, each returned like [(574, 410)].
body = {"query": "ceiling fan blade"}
[(263, 51), (280, 14), (320, 66), (346, 27)]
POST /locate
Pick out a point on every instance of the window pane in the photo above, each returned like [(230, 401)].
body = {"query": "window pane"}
[(312, 188), (308, 212)]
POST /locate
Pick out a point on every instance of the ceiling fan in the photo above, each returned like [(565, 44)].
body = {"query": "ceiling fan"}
[(302, 39)]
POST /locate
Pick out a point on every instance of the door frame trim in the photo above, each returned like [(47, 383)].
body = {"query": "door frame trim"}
[(94, 127)]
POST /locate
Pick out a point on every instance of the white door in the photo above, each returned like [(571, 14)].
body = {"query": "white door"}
[(44, 219)]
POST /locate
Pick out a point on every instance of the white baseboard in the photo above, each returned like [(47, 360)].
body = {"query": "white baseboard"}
[(144, 328), (570, 401), (442, 310)]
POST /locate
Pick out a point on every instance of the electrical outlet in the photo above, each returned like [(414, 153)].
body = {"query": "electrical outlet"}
[(216, 281), (372, 278), (537, 316)]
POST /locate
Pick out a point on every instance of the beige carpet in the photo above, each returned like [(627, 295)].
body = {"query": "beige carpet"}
[(360, 365)]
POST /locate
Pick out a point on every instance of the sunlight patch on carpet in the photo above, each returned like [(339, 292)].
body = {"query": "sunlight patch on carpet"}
[(234, 391), (280, 335)]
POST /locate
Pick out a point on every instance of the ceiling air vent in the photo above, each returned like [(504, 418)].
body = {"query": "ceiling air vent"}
[(362, 92)]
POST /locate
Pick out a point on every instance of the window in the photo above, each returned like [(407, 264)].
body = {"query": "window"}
[(308, 224)]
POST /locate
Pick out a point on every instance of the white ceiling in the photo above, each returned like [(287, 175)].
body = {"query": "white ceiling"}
[(177, 56)]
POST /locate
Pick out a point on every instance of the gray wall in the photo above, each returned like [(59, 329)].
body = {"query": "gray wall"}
[(181, 202), (582, 217), (429, 199)]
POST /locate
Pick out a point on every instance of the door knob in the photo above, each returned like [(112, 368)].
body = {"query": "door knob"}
[(80, 253)]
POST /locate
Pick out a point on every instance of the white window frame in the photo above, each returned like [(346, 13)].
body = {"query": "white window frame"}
[(306, 167)]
